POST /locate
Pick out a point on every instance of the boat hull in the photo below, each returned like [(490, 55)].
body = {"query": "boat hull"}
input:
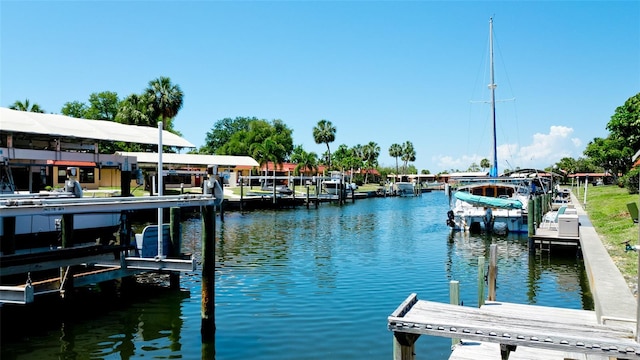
[(44, 230)]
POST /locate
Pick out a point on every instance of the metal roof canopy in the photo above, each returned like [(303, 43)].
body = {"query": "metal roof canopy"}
[(192, 159), (14, 121)]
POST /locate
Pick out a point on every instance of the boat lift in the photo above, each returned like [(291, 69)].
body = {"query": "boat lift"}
[(113, 266)]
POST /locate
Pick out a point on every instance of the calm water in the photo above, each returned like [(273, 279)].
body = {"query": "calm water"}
[(300, 284)]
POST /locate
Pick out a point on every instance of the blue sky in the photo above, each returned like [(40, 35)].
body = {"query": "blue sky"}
[(381, 71)]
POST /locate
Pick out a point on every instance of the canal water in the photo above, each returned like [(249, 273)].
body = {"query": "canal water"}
[(299, 284)]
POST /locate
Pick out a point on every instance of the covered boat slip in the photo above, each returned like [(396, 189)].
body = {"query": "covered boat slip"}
[(99, 262), (511, 326)]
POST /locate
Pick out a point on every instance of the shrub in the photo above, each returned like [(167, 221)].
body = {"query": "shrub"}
[(631, 180)]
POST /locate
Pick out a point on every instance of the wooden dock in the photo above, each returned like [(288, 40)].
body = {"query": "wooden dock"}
[(509, 326), (473, 350)]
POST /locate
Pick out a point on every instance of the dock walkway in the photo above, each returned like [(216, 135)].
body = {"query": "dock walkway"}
[(510, 326), (608, 332)]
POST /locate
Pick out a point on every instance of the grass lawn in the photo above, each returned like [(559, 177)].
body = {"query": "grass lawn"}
[(607, 209)]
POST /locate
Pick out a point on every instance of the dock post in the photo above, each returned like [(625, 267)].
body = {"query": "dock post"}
[(454, 299), (307, 196), (493, 271), (176, 244), (125, 183), (208, 325), (538, 209), (404, 346), (8, 246), (481, 276)]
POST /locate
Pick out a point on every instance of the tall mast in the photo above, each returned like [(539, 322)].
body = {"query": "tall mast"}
[(494, 166)]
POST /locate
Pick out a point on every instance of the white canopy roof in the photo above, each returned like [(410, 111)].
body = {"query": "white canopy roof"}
[(14, 121), (192, 159)]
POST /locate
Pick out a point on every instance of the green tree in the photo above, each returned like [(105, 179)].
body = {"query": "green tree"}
[(26, 106), (102, 106), (222, 132), (408, 154), (257, 131), (268, 151), (611, 154), (325, 133), (136, 110), (75, 109), (473, 167), (485, 164), (304, 160), (625, 124), (395, 151), (166, 100)]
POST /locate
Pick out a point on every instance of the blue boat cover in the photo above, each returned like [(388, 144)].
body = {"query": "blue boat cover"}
[(488, 201)]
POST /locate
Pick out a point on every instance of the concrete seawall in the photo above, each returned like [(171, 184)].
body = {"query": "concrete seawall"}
[(614, 302)]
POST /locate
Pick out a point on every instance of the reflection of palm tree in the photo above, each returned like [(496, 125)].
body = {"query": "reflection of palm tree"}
[(325, 133), (26, 106), (166, 99)]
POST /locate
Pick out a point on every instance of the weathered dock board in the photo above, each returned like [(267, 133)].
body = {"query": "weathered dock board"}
[(537, 328), (468, 350)]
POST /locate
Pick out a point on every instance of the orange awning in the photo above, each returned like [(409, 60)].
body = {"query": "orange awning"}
[(71, 163)]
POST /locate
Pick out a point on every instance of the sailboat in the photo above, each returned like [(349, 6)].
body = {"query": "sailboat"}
[(493, 204)]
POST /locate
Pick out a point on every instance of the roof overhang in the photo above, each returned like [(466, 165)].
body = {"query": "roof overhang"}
[(52, 125), (193, 159)]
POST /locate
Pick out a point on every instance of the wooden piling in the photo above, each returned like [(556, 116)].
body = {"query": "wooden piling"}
[(493, 271), (307, 197), (481, 276), (175, 249), (404, 345), (454, 299), (208, 326)]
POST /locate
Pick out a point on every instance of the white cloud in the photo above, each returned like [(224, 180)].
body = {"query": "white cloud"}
[(543, 151)]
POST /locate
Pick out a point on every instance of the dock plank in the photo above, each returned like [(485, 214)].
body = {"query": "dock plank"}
[(536, 327)]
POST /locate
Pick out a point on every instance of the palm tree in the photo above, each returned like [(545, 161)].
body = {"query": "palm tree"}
[(324, 133), (371, 153), (485, 164), (166, 99), (26, 106), (135, 110), (304, 160), (408, 154), (395, 150), (266, 151)]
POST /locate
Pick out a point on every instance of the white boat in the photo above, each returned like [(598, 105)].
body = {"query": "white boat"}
[(336, 183), (44, 230), (496, 205), (404, 187), (490, 204)]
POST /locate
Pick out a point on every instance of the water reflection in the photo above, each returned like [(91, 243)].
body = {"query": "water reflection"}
[(561, 275), (292, 284)]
